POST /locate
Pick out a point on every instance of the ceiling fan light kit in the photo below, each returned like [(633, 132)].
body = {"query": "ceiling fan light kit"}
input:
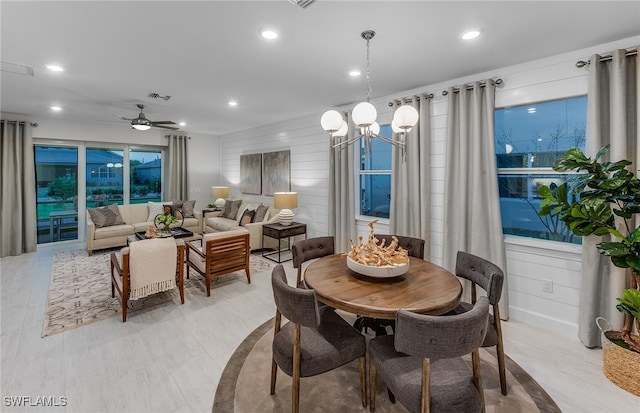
[(142, 123)]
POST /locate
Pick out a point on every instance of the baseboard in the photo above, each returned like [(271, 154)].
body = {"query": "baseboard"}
[(554, 325)]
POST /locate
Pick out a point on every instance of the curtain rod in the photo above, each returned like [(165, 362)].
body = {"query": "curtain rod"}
[(408, 99), (582, 63), (498, 81), (21, 122)]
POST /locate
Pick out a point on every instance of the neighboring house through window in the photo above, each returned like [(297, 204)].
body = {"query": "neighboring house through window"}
[(528, 139)]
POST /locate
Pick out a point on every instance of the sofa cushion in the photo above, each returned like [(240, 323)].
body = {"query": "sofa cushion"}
[(261, 213), (106, 216), (156, 208), (114, 231), (230, 209), (222, 224)]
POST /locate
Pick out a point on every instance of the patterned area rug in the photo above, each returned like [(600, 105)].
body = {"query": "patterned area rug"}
[(80, 290), (244, 385)]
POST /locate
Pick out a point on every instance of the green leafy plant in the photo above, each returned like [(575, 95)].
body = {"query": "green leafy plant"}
[(603, 200), (166, 220)]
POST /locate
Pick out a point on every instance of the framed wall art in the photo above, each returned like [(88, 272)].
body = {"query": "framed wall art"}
[(276, 172), (250, 169)]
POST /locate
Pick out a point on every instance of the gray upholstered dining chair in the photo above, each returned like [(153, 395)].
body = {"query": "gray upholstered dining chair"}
[(422, 363), (414, 246), (309, 249), (490, 278), (314, 341)]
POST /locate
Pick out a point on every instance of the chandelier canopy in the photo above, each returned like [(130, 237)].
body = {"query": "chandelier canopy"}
[(364, 116)]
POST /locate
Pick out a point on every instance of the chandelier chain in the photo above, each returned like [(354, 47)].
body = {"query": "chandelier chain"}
[(368, 35)]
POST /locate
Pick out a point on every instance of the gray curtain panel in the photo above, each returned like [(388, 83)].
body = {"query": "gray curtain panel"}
[(410, 213), (612, 118), (176, 172), (472, 221), (17, 190), (342, 224)]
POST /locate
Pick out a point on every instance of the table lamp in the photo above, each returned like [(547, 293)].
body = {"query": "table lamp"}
[(219, 193), (285, 201)]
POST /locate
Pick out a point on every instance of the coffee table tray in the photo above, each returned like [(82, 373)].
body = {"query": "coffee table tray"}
[(177, 232)]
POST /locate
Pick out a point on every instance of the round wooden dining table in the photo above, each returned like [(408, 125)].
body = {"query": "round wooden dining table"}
[(426, 289)]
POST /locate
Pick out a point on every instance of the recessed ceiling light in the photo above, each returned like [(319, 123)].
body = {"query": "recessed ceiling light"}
[(354, 73), (470, 34), (56, 108), (55, 68), (233, 103), (182, 124), (269, 34)]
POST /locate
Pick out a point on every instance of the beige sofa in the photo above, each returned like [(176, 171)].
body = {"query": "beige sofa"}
[(135, 217), (215, 223)]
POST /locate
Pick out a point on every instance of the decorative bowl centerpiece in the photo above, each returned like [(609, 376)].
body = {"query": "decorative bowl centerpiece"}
[(375, 259)]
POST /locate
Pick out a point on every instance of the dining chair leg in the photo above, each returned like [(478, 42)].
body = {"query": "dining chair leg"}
[(477, 375), (295, 387), (500, 351), (363, 380), (372, 387), (274, 365), (425, 402)]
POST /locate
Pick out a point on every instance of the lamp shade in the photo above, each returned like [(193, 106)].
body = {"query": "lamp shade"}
[(364, 114), (219, 192), (285, 200), (405, 117), (342, 132), (331, 121)]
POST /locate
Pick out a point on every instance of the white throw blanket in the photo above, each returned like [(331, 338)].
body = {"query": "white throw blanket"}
[(152, 265)]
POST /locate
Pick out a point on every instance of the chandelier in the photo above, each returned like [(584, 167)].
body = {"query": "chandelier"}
[(364, 116)]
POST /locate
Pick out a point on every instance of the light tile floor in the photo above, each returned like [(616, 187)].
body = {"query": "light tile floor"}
[(169, 359)]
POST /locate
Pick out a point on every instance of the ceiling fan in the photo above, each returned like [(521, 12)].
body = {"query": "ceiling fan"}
[(142, 123)]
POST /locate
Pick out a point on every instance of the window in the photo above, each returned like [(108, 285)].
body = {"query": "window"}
[(56, 193), (145, 176), (528, 140), (375, 175), (104, 177)]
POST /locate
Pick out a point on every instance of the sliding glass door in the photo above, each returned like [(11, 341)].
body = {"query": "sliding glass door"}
[(56, 193)]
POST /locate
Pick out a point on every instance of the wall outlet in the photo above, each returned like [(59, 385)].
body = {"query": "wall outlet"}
[(547, 286)]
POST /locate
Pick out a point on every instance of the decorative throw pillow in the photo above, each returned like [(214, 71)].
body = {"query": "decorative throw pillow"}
[(174, 209), (155, 208), (187, 208), (230, 209), (105, 216), (247, 216), (260, 214)]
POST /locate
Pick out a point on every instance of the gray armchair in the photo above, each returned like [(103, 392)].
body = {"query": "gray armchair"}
[(422, 364), (316, 339)]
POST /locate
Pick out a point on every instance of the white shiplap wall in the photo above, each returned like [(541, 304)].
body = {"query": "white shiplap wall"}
[(529, 262)]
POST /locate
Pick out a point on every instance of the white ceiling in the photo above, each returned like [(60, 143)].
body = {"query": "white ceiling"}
[(204, 53)]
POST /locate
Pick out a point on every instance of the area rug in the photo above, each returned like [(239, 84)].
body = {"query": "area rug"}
[(244, 385), (80, 290)]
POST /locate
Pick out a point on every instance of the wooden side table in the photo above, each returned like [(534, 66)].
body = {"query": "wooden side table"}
[(280, 232)]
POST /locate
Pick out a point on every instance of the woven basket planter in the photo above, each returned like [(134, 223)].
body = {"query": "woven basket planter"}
[(620, 365)]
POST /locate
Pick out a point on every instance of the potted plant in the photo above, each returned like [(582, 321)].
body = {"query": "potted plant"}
[(166, 220), (604, 199)]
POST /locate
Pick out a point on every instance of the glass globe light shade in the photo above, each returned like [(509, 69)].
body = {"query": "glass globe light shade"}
[(331, 121), (406, 116), (375, 128), (141, 127), (396, 129), (342, 132), (364, 114)]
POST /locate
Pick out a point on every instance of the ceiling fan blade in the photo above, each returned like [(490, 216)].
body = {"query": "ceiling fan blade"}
[(163, 127), (122, 117), (166, 122)]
